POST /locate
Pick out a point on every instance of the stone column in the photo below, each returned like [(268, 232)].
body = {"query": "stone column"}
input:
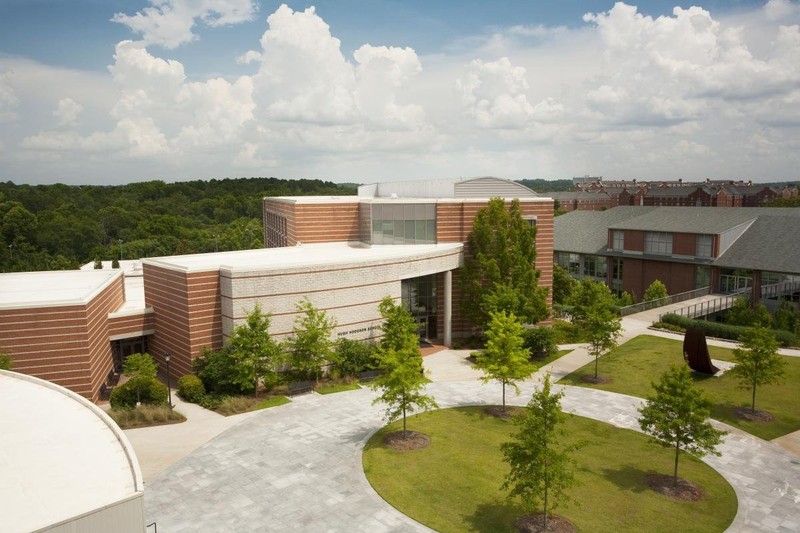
[(448, 308)]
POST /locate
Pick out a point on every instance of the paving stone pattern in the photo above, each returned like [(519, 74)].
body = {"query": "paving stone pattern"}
[(297, 467)]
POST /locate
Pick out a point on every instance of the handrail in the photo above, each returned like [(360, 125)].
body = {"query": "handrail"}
[(725, 302), (660, 302)]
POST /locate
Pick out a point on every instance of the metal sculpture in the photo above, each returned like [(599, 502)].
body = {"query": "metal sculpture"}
[(695, 352)]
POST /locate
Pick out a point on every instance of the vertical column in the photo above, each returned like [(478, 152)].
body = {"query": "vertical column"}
[(448, 308)]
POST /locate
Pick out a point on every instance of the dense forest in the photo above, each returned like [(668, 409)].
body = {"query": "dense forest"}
[(56, 227), (541, 185)]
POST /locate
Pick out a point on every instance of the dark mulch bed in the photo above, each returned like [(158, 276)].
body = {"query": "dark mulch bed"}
[(599, 380), (534, 523), (413, 440), (684, 490), (753, 416), (506, 413)]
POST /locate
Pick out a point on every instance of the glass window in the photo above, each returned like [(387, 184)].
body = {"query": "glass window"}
[(702, 277), (402, 224), (617, 239), (574, 264), (703, 248), (616, 272), (658, 242)]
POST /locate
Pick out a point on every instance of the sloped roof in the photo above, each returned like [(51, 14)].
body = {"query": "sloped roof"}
[(770, 243), (660, 192)]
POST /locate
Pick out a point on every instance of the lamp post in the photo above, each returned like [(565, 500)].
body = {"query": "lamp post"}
[(167, 357)]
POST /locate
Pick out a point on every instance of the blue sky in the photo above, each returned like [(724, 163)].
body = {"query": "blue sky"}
[(110, 91)]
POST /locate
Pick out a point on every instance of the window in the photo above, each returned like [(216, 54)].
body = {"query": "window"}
[(531, 221), (703, 248), (658, 242), (617, 239), (399, 223), (616, 272), (594, 266), (574, 264), (702, 277)]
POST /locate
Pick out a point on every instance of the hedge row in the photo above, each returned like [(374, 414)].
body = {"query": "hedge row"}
[(726, 331)]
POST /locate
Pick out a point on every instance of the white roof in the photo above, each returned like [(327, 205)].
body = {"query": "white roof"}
[(322, 254), (52, 288), (60, 455)]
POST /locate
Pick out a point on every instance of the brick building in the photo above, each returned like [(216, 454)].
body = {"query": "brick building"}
[(686, 248), (344, 254)]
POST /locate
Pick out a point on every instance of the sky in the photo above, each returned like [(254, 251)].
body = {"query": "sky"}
[(115, 91)]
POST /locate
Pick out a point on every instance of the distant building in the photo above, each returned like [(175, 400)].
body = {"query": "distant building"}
[(686, 248)]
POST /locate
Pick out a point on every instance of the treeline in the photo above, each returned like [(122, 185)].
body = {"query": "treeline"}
[(542, 185), (55, 227)]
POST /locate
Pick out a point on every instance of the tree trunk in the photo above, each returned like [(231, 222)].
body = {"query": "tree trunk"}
[(595, 367), (546, 486), (753, 404), (504, 395), (405, 433), (675, 472)]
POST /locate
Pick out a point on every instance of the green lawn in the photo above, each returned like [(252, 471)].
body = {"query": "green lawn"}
[(454, 484), (549, 359), (338, 387), (640, 361)]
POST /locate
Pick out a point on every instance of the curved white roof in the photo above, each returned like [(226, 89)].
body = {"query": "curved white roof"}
[(60, 455)]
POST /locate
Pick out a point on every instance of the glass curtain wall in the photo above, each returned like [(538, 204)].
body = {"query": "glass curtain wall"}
[(418, 295), (390, 223)]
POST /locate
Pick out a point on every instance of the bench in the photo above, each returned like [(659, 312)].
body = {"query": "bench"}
[(300, 387)]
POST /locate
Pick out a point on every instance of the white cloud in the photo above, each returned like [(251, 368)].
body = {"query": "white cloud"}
[(8, 98), (67, 111), (248, 57), (781, 10), (169, 23)]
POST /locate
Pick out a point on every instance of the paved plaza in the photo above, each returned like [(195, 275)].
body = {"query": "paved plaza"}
[(297, 467)]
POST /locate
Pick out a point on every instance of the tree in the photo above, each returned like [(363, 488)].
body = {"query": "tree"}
[(505, 358), (757, 361), (98, 264), (311, 346), (142, 371), (563, 285), (594, 311), (656, 291), (677, 416), (254, 355), (402, 380), (744, 313), (541, 464), (786, 317), (499, 271)]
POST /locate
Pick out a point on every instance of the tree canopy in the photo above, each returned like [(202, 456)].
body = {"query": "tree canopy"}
[(757, 361), (594, 310), (402, 381), (541, 465), (49, 227), (676, 415), (505, 358), (311, 345), (499, 271)]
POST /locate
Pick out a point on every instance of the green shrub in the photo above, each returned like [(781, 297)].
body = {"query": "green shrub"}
[(145, 415), (148, 391), (6, 363), (669, 327), (212, 401), (726, 331), (191, 388), (354, 356), (568, 333), (744, 313), (540, 341), (217, 370), (656, 291)]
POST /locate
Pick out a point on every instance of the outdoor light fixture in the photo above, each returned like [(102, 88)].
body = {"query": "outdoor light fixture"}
[(167, 357)]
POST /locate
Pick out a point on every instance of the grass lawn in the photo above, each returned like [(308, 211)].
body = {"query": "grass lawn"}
[(549, 359), (338, 387), (640, 361), (454, 484)]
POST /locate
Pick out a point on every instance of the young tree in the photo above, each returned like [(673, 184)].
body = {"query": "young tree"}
[(757, 361), (677, 416), (786, 317), (98, 264), (541, 464), (402, 381), (656, 291), (253, 353), (142, 371), (593, 310), (499, 272), (311, 345), (505, 358)]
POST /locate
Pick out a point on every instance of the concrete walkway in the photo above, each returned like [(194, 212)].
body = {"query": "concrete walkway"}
[(298, 467)]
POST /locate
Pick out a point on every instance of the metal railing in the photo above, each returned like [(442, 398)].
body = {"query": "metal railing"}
[(775, 290), (660, 302)]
